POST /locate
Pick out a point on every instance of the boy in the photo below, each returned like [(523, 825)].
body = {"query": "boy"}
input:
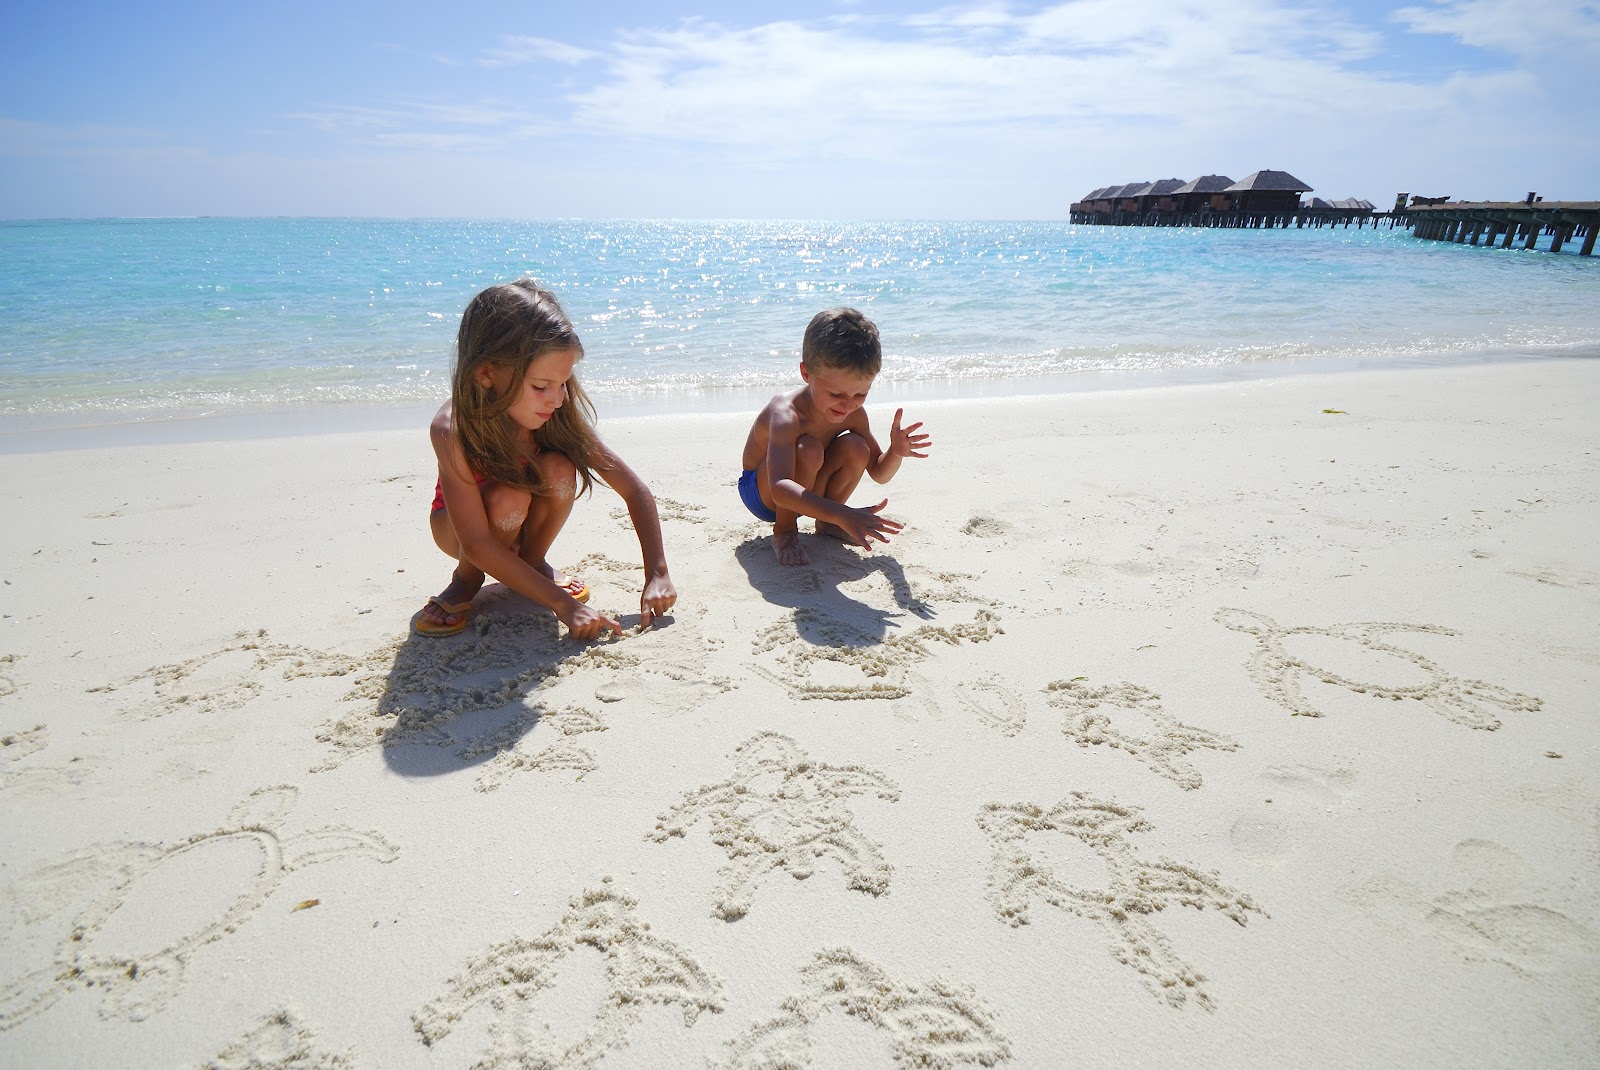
[(810, 446)]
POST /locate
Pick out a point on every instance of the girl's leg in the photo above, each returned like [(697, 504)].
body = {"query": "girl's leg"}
[(547, 513), (507, 508), (843, 465)]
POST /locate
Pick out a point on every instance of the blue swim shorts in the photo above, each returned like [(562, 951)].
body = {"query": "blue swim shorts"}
[(750, 494)]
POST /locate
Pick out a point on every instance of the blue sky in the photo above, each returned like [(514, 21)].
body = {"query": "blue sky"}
[(826, 109)]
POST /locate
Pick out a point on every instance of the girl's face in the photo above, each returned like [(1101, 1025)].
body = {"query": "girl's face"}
[(542, 390)]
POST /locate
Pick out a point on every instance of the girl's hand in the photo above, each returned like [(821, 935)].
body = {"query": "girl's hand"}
[(657, 600), (902, 441), (585, 623)]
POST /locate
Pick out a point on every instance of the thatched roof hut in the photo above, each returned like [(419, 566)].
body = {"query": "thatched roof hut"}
[(1203, 193), (1269, 182), (1267, 191)]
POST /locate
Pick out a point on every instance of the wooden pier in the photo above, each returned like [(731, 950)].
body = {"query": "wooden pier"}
[(1508, 222)]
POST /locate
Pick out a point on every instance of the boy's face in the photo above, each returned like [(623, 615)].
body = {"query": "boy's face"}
[(835, 392)]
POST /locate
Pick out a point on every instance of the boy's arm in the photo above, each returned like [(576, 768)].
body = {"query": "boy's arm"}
[(903, 442), (783, 434)]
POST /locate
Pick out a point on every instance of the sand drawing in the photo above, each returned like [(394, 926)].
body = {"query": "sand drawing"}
[(1276, 672), (1492, 919), (138, 981), (1164, 749), (667, 509), (641, 969), (782, 809), (8, 686), (508, 756), (280, 1041), (18, 745), (936, 1025), (229, 677), (884, 664), (994, 704), (428, 684), (1136, 890)]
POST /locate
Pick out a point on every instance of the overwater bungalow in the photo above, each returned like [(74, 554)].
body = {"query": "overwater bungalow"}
[(1203, 194), (1267, 193), (1157, 196)]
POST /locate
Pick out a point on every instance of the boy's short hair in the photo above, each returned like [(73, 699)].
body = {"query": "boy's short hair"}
[(842, 339)]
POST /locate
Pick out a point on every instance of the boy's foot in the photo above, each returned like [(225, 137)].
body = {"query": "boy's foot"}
[(786, 544), (833, 531)]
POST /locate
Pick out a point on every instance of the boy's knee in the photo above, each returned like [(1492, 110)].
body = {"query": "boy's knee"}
[(808, 454), (850, 450)]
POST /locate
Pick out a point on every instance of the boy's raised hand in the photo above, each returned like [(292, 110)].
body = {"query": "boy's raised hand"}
[(864, 524), (905, 442)]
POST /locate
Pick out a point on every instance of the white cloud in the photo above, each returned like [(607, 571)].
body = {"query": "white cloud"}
[(851, 89), (515, 51), (1523, 28)]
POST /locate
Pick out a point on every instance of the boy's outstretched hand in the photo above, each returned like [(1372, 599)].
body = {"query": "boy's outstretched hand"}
[(861, 526), (905, 442)]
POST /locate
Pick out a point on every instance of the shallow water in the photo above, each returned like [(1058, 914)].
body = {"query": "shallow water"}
[(116, 320)]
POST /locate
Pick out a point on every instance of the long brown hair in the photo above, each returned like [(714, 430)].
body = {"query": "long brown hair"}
[(505, 328)]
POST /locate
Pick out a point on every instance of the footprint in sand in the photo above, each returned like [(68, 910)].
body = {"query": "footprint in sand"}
[(1489, 920), (1135, 891), (1262, 837), (641, 968), (154, 905), (855, 663), (281, 1041), (1277, 672), (983, 526), (782, 809), (936, 1025), (1163, 749)]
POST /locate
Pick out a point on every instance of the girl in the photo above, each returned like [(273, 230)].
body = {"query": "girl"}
[(514, 442)]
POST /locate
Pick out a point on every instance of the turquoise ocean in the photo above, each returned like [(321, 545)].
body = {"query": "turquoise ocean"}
[(127, 322)]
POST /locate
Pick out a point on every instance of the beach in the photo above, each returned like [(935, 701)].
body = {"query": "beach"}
[(1248, 723)]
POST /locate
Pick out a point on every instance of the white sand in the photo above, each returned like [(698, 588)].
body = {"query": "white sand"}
[(1038, 764)]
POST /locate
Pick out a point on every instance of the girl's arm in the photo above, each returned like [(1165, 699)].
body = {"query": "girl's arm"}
[(463, 501), (659, 593)]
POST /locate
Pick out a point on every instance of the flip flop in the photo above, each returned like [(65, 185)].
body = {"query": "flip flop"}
[(576, 588), (423, 626)]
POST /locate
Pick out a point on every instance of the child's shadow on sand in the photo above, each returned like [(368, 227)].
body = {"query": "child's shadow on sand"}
[(816, 588), (459, 701)]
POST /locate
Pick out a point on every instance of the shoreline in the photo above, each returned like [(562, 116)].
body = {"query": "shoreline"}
[(65, 431)]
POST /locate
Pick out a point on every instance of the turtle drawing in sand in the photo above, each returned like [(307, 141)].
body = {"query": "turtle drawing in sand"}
[(138, 981)]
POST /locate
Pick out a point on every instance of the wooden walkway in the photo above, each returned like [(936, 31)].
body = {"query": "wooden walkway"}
[(1466, 223), (1509, 221)]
